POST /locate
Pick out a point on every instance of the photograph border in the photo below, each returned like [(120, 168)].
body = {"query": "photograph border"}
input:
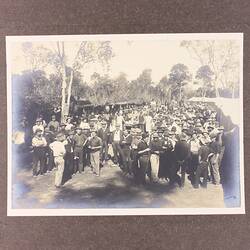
[(116, 211)]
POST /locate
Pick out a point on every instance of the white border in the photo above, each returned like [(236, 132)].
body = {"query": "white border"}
[(127, 211)]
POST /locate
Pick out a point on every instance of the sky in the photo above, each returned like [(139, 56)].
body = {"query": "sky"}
[(131, 57)]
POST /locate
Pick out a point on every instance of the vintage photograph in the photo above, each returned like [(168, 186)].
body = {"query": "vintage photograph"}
[(125, 124)]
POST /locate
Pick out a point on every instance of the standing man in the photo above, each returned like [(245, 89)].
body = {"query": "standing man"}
[(104, 134), (58, 148), (202, 169), (69, 156), (38, 125), (182, 153), (95, 145), (80, 140), (54, 123), (143, 152), (49, 137), (116, 138), (155, 146), (39, 152), (215, 147), (126, 151)]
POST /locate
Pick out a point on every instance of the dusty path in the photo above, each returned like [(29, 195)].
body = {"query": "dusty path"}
[(111, 190)]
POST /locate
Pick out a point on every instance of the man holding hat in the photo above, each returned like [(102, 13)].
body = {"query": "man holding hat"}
[(58, 148)]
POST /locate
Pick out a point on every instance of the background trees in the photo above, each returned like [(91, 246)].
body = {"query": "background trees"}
[(57, 72), (179, 76)]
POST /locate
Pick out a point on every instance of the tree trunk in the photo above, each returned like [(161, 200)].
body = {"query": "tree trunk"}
[(63, 103), (69, 93)]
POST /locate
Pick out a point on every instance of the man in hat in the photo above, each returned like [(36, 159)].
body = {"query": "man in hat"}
[(58, 148), (69, 124), (95, 146), (215, 148), (69, 156), (143, 158), (104, 134), (182, 154), (80, 141), (155, 146), (62, 129), (49, 137), (54, 123), (202, 168), (115, 139), (39, 152), (193, 161), (166, 157), (38, 125), (126, 152)]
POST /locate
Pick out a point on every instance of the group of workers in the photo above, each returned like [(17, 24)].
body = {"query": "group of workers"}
[(150, 143)]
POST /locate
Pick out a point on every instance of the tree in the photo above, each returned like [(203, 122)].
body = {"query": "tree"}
[(88, 52), (222, 56), (165, 88), (179, 76), (205, 75), (56, 57)]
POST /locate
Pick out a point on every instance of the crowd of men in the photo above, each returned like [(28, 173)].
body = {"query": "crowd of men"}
[(150, 143)]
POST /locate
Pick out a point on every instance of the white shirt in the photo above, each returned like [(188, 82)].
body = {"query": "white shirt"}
[(117, 136), (58, 148)]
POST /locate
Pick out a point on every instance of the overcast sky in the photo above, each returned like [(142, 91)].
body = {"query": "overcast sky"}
[(130, 57)]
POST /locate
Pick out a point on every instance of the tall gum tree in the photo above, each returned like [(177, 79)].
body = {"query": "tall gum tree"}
[(58, 56)]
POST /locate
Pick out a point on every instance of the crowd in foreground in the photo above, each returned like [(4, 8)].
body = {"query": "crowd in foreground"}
[(150, 143)]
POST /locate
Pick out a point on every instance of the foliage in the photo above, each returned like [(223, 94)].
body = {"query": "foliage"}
[(179, 76)]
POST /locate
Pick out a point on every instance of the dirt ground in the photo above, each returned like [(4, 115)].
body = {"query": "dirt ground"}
[(110, 190)]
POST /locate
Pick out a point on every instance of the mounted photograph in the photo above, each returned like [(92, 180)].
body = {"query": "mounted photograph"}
[(128, 124)]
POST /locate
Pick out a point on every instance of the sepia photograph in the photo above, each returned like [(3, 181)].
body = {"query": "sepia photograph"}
[(126, 124)]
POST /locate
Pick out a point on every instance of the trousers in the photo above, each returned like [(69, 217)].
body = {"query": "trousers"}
[(59, 162), (95, 161), (202, 170), (39, 160), (155, 163), (215, 171)]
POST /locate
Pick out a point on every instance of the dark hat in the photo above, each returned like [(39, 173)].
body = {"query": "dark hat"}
[(183, 137), (221, 128), (60, 135), (71, 132), (155, 135), (47, 130), (38, 130)]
